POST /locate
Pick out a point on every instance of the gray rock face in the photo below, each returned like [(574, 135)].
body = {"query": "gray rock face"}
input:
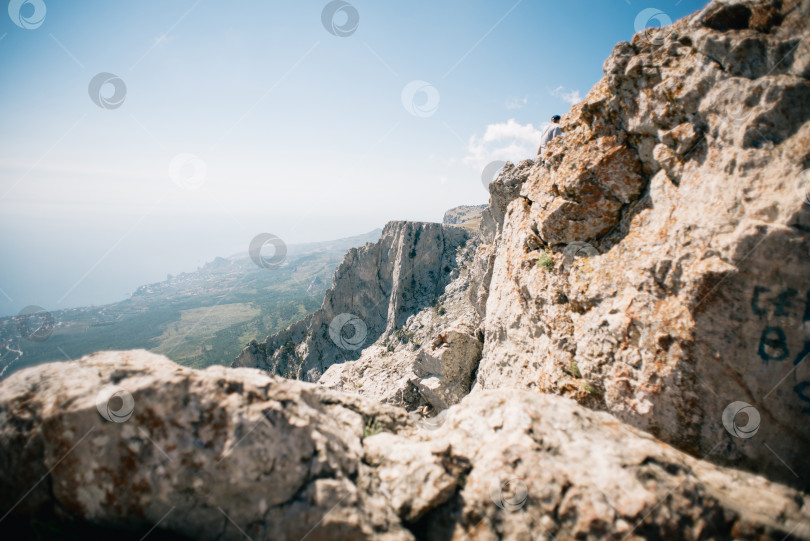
[(555, 470), (375, 290), (657, 264), (203, 453), (463, 213), (502, 191), (429, 362), (228, 453)]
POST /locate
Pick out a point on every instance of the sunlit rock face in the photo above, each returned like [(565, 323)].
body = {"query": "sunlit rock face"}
[(375, 290), (130, 440), (464, 213), (657, 264)]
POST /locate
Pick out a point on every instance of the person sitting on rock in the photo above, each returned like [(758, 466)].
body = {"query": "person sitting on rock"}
[(551, 131)]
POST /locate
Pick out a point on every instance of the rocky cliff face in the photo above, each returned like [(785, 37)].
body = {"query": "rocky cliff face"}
[(398, 324), (429, 362), (620, 352), (375, 290), (656, 265), (464, 213)]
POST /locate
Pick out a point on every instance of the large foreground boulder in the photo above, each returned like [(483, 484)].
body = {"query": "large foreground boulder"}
[(131, 441)]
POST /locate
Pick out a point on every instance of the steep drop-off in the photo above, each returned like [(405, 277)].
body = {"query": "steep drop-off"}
[(375, 289)]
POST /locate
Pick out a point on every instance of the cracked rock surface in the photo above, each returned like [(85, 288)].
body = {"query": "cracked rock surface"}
[(213, 449), (673, 223), (223, 453), (377, 287)]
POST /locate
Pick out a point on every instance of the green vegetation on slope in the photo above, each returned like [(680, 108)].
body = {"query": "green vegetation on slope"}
[(196, 319)]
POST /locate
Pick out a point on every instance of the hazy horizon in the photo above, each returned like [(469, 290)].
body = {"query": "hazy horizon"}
[(309, 120), (112, 291)]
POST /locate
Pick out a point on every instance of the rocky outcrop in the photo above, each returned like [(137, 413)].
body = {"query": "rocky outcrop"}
[(131, 440), (511, 464), (656, 264), (135, 443), (375, 290), (429, 362), (463, 214), (502, 191)]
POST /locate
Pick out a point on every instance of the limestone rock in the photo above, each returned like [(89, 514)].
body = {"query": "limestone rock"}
[(428, 362), (446, 368), (227, 453), (502, 191), (656, 264), (463, 214), (204, 453), (375, 290), (517, 465)]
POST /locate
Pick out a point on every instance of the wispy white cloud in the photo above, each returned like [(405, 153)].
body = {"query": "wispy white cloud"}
[(570, 96), (162, 40), (508, 141), (513, 102)]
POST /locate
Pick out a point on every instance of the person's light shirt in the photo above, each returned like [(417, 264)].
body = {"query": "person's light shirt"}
[(551, 131)]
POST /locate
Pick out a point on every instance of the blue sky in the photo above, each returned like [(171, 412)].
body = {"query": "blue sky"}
[(248, 116)]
